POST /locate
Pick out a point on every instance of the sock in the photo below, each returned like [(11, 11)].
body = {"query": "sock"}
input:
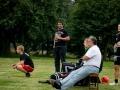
[(116, 80)]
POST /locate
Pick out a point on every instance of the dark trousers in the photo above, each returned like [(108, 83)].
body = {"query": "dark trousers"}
[(59, 55)]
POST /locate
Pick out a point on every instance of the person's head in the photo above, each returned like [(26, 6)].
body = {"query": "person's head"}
[(118, 27), (20, 49), (60, 25), (90, 41)]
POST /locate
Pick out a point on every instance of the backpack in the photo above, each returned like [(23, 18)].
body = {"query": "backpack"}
[(68, 67)]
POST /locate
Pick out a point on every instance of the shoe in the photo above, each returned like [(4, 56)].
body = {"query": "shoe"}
[(27, 74), (56, 84), (112, 84), (47, 81)]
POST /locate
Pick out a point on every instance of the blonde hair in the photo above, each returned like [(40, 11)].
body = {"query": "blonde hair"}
[(21, 47)]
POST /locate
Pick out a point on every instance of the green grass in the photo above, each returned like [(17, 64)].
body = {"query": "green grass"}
[(14, 80)]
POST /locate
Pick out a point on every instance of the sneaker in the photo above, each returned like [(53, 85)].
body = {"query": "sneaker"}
[(27, 74), (112, 84), (47, 81), (56, 84)]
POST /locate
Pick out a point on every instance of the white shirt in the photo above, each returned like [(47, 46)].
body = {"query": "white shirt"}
[(95, 56)]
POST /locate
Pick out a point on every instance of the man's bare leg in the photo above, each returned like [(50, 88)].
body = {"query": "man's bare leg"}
[(20, 68)]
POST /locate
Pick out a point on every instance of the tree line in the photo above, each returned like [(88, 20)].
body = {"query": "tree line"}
[(33, 23)]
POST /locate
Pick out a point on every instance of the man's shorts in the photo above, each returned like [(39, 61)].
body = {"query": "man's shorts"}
[(117, 61), (27, 68)]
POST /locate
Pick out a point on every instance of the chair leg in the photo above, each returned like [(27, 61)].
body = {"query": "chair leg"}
[(95, 84), (89, 83)]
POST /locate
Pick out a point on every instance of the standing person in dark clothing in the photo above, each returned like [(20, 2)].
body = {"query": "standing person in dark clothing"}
[(25, 64), (117, 57), (60, 39)]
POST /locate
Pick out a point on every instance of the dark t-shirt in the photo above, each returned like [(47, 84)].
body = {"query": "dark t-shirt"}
[(117, 53), (117, 39), (63, 34), (27, 59)]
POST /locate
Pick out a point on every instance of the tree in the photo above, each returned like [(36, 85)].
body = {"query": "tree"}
[(7, 23), (95, 17), (29, 22)]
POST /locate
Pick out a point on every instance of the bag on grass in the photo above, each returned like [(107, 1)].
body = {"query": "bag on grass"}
[(68, 67)]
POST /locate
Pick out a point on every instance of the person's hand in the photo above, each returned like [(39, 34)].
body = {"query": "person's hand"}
[(53, 46), (118, 44), (14, 66), (115, 46), (64, 39), (85, 43), (57, 37), (81, 59), (115, 58), (67, 38)]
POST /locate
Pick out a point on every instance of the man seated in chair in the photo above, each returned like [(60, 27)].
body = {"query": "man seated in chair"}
[(92, 61)]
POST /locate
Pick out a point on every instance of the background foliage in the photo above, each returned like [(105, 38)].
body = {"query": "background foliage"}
[(33, 23)]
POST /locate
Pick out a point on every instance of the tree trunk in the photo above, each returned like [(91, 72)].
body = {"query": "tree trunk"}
[(105, 47), (4, 47), (4, 42), (47, 47), (42, 48), (105, 52)]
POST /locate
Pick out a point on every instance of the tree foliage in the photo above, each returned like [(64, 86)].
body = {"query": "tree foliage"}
[(95, 17), (29, 22), (32, 22)]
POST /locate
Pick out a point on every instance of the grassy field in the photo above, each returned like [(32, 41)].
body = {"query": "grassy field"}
[(13, 80)]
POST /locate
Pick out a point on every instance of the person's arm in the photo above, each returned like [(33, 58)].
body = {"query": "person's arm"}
[(85, 58), (117, 41), (64, 39), (115, 45), (22, 59), (89, 54), (20, 62), (54, 43)]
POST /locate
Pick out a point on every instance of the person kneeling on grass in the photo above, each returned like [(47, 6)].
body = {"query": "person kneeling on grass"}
[(92, 61), (25, 64)]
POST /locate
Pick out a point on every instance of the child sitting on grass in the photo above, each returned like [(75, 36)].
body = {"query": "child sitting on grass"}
[(25, 64)]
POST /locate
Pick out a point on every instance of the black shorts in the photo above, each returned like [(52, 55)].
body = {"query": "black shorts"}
[(117, 62)]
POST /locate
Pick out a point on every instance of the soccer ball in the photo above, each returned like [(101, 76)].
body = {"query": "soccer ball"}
[(105, 80)]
